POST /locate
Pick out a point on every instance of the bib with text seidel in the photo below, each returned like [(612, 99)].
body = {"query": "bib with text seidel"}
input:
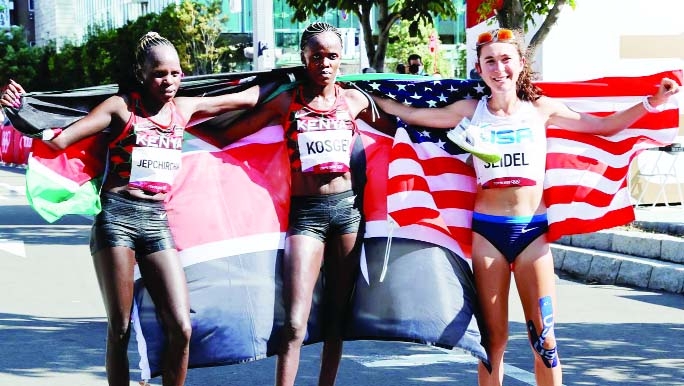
[(156, 158), (522, 160)]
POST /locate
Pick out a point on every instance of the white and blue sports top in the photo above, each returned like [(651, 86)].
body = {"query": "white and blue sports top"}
[(521, 141)]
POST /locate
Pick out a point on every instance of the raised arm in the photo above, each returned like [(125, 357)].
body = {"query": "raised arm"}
[(560, 115), (440, 117), (112, 111), (362, 109), (199, 107), (266, 114)]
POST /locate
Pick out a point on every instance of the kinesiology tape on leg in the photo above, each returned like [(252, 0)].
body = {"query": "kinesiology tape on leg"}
[(549, 356)]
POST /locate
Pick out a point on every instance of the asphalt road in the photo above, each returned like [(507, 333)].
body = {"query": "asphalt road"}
[(52, 325)]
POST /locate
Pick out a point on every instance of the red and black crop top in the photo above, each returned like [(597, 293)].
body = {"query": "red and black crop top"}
[(146, 154), (319, 141)]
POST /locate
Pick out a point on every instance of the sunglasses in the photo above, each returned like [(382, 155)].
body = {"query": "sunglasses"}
[(498, 35)]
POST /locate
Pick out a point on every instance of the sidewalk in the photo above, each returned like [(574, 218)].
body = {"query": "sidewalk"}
[(661, 219), (648, 253)]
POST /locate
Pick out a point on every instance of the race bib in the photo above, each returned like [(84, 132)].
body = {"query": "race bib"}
[(156, 159), (523, 158), (325, 151)]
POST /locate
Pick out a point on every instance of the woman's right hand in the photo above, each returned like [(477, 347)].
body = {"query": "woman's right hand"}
[(11, 95)]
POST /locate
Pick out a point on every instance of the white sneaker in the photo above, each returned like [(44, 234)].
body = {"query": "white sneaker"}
[(467, 137)]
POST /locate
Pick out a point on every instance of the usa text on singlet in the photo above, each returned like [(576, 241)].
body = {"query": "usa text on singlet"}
[(521, 141)]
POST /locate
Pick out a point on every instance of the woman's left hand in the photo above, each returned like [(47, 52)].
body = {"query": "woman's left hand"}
[(666, 89)]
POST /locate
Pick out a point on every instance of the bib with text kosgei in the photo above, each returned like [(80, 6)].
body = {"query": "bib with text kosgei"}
[(156, 158), (325, 151)]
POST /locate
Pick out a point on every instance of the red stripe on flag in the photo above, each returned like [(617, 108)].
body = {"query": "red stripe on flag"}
[(572, 225), (663, 120), (234, 184), (80, 162), (587, 164), (567, 194), (429, 162), (615, 86), (611, 146)]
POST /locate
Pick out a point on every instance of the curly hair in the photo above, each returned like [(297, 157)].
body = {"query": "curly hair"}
[(317, 28), (525, 89)]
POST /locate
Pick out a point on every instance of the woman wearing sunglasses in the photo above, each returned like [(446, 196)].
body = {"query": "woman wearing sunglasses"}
[(509, 217)]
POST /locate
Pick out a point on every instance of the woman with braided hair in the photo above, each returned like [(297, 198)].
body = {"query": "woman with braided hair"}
[(325, 213), (145, 130)]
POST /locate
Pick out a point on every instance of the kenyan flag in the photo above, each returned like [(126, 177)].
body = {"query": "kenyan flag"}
[(65, 182)]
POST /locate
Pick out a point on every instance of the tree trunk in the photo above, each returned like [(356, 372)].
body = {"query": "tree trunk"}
[(545, 27), (511, 15), (364, 15)]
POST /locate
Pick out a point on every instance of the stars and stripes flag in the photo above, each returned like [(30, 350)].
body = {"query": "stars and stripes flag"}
[(586, 189)]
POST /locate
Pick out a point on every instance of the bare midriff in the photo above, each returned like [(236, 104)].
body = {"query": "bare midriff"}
[(514, 201), (311, 184)]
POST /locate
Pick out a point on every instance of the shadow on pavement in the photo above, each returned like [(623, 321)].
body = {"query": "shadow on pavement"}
[(12, 169), (40, 347), (593, 354), (25, 215), (665, 300), (47, 235)]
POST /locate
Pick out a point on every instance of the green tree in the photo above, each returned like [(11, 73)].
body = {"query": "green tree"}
[(520, 15), (416, 11), (108, 55), (65, 67), (18, 60), (99, 65), (200, 31), (402, 44)]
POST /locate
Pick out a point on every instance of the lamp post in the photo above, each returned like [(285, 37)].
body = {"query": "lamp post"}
[(263, 37)]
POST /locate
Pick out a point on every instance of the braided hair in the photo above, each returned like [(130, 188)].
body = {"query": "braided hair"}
[(145, 45), (315, 29)]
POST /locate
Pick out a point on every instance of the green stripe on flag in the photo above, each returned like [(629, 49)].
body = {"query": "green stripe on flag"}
[(53, 196)]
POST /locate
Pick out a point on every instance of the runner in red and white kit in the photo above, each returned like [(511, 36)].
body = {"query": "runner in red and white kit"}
[(145, 131)]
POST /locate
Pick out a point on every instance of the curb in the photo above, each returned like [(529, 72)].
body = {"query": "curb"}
[(639, 259), (674, 229)]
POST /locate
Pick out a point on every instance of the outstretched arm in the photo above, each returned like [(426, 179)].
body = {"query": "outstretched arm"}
[(266, 114), (441, 117), (199, 107), (112, 110), (560, 115), (363, 109)]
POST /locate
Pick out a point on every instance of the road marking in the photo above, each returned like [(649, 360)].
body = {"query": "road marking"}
[(447, 356), (13, 189), (13, 247), (413, 360)]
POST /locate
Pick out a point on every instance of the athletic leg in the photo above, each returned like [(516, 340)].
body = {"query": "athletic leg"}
[(165, 280), (114, 270), (535, 280), (492, 281), (301, 266), (341, 269)]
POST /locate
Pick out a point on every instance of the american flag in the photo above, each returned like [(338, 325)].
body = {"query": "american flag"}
[(432, 185)]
